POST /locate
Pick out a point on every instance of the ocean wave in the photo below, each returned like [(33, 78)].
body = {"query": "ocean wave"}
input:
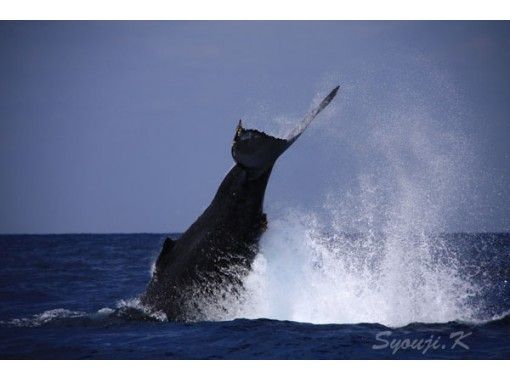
[(133, 311), (125, 311), (44, 318), (500, 319)]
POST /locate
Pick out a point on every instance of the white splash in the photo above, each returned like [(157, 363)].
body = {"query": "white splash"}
[(134, 304), (44, 318), (302, 275), (413, 167)]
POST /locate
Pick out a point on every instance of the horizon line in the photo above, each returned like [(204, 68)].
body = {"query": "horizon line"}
[(176, 233)]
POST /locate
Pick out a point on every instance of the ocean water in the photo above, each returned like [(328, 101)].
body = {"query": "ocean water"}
[(309, 296)]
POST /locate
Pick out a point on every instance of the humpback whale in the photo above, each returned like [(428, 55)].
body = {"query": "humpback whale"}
[(212, 256)]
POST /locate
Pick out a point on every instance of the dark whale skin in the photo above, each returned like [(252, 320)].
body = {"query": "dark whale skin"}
[(218, 249), (225, 235)]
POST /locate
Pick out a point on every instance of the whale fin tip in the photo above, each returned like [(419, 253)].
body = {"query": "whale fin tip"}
[(257, 150), (168, 244), (165, 257)]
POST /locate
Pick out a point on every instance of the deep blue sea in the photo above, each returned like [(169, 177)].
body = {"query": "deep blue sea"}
[(74, 297)]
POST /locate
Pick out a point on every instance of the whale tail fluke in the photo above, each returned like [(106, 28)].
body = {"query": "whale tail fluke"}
[(296, 132), (258, 151), (253, 149)]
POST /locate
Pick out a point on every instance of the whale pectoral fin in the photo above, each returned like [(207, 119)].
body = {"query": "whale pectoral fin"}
[(168, 245), (165, 255)]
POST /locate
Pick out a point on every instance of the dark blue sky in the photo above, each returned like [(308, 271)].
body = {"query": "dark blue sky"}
[(127, 126)]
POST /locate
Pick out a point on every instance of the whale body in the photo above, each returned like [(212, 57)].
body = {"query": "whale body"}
[(217, 250)]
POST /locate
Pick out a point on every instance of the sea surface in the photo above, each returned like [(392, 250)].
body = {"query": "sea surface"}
[(75, 297)]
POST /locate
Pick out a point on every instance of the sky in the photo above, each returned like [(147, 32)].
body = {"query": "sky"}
[(127, 126)]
